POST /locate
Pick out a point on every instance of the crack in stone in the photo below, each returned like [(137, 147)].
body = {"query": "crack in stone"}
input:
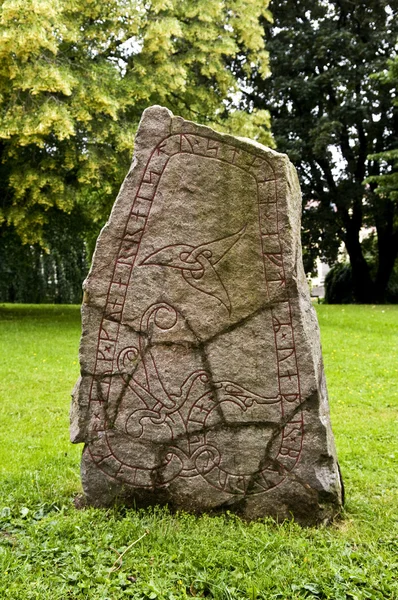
[(237, 324), (276, 427), (207, 368), (294, 477), (229, 328)]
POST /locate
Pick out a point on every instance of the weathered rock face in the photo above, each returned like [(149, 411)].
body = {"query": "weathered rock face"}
[(202, 381)]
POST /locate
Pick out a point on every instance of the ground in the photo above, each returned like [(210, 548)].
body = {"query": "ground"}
[(50, 550)]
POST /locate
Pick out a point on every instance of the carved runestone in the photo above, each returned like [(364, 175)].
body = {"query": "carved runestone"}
[(202, 384)]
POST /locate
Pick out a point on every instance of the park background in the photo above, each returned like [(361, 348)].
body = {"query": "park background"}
[(316, 79)]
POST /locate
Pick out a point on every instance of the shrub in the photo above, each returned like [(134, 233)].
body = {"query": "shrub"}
[(338, 285)]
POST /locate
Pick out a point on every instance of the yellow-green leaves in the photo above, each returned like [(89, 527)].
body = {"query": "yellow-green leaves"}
[(29, 27), (75, 76), (31, 124), (254, 125)]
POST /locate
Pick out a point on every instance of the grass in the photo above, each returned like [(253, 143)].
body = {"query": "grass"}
[(49, 550)]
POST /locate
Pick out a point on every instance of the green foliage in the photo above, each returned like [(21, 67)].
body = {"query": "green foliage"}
[(75, 76), (387, 182), (329, 113), (51, 551)]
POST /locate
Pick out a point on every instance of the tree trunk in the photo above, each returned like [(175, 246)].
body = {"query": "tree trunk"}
[(386, 266), (362, 284), (387, 245)]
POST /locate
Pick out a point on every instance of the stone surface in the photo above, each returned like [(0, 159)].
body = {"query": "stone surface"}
[(202, 382)]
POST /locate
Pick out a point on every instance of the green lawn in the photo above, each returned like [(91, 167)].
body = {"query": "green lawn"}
[(49, 550)]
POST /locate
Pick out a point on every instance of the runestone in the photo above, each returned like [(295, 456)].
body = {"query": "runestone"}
[(202, 384)]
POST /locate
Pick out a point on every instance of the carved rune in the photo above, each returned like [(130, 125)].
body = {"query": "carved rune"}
[(198, 264)]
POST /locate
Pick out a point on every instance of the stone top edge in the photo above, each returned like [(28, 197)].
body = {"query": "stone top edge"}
[(177, 124)]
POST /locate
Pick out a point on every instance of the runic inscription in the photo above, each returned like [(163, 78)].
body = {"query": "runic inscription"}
[(198, 368)]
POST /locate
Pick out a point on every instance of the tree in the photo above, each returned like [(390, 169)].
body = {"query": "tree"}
[(75, 76), (387, 182), (329, 114), (28, 274)]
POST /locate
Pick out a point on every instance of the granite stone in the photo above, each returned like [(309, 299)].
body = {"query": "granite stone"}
[(202, 383)]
